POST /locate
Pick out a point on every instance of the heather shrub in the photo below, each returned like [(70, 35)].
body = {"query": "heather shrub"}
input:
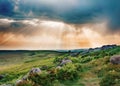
[(112, 78), (86, 59), (75, 60), (67, 72), (58, 59), (110, 75), (40, 79)]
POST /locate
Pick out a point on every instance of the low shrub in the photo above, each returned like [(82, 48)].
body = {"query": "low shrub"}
[(75, 60), (40, 79), (58, 59), (86, 59), (78, 67), (68, 72), (110, 75), (112, 78), (47, 78)]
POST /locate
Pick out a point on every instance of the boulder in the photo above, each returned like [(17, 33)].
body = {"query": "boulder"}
[(19, 82), (25, 77), (64, 62), (115, 59), (58, 67), (35, 71)]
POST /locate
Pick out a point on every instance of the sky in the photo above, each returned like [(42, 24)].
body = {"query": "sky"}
[(58, 24)]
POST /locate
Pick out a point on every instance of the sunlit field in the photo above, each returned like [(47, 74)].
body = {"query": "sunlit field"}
[(85, 69)]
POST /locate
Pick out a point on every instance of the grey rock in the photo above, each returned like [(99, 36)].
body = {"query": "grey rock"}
[(35, 71), (58, 67), (115, 59), (64, 62), (18, 82), (25, 77)]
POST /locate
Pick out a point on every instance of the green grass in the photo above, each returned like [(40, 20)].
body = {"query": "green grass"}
[(94, 66), (18, 70), (19, 64)]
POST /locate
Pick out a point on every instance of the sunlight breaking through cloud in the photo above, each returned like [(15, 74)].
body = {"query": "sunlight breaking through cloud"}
[(46, 34)]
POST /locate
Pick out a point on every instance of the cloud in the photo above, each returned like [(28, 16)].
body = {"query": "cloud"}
[(68, 23), (46, 34), (6, 8), (69, 11)]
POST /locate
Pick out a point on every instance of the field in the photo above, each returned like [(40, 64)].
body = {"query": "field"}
[(89, 67)]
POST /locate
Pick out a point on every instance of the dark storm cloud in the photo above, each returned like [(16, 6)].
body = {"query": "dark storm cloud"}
[(15, 27), (113, 12), (69, 11), (10, 26), (6, 7)]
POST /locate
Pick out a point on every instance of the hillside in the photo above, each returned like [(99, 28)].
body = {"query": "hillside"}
[(82, 67)]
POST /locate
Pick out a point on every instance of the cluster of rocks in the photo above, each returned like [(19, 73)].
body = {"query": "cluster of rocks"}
[(98, 49), (38, 71), (108, 46), (24, 79), (113, 60), (76, 52), (103, 47), (35, 71)]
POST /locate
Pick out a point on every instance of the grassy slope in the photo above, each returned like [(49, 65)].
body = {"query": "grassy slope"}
[(18, 64)]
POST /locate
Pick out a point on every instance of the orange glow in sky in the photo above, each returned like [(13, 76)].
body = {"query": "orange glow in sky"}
[(57, 35)]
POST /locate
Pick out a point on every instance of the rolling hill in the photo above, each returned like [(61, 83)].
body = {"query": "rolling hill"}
[(81, 67)]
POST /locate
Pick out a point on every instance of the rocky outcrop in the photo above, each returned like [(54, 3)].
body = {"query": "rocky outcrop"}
[(35, 71), (65, 61), (98, 49), (24, 79), (19, 82), (108, 46), (115, 59)]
